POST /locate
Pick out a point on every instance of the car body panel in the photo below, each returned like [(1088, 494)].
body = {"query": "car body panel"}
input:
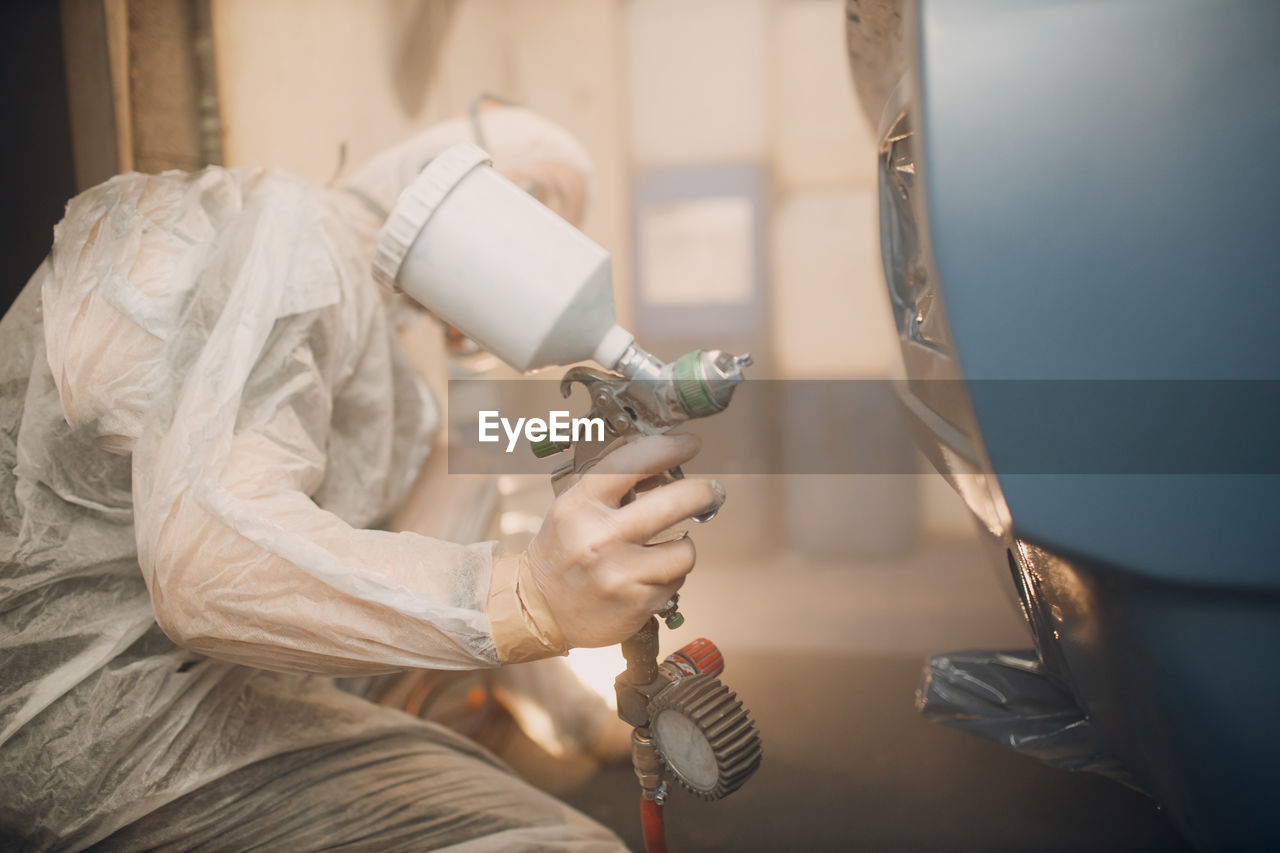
[(1086, 193)]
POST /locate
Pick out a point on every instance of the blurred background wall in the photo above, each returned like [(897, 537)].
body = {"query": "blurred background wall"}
[(688, 90), (35, 133), (735, 175)]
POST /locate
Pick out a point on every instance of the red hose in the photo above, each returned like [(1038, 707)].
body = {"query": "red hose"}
[(651, 822)]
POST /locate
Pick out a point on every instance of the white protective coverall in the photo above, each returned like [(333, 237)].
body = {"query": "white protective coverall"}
[(203, 411)]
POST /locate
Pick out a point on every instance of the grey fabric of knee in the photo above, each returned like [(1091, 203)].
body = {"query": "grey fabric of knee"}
[(401, 791)]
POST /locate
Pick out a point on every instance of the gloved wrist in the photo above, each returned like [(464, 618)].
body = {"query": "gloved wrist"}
[(520, 620)]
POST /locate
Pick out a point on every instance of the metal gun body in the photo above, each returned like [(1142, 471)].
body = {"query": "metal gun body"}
[(698, 384)]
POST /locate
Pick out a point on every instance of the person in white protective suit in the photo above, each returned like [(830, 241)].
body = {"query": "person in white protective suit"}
[(205, 417)]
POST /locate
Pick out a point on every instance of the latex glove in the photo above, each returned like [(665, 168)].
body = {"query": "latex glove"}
[(588, 579)]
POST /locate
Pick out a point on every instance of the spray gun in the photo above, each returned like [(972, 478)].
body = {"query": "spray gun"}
[(656, 398), (493, 262)]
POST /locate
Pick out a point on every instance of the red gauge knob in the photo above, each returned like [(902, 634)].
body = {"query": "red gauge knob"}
[(701, 657)]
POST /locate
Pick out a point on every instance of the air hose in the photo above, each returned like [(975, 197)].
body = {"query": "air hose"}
[(651, 823)]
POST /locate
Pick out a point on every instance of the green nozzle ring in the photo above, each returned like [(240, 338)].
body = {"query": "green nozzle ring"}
[(694, 393)]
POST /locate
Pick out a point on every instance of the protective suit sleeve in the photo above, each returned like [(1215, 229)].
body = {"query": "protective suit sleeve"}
[(249, 569), (522, 624), (266, 424)]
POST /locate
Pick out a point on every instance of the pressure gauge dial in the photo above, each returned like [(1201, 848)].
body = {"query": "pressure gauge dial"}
[(704, 736)]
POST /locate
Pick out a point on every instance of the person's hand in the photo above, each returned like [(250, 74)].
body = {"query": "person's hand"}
[(590, 561)]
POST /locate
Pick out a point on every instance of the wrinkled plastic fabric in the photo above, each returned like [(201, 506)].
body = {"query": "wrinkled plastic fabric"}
[(202, 409), (1007, 698), (270, 417), (395, 792)]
